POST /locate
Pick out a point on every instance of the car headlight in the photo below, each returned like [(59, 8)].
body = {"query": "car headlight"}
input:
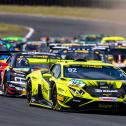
[(78, 92), (76, 82)]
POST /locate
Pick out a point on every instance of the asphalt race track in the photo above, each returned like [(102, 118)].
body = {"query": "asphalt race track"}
[(16, 112), (45, 26)]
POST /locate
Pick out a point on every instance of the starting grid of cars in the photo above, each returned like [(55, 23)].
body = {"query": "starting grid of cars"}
[(66, 73)]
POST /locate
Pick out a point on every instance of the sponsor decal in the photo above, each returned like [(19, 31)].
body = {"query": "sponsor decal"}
[(105, 91), (105, 106), (102, 83), (76, 82), (108, 98)]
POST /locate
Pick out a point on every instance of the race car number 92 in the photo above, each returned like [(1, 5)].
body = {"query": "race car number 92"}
[(72, 70)]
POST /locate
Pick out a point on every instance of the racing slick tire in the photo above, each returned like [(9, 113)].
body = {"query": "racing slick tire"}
[(55, 106), (29, 91), (4, 90), (4, 85)]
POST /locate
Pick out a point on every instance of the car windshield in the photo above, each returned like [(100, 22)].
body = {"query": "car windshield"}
[(22, 62), (94, 72)]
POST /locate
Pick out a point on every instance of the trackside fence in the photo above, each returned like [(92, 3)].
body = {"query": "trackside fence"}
[(74, 3)]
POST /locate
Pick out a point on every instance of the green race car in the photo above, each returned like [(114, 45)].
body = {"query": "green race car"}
[(78, 85), (14, 39)]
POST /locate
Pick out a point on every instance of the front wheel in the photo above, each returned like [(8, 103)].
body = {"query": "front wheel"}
[(56, 105), (4, 84), (29, 91), (4, 90)]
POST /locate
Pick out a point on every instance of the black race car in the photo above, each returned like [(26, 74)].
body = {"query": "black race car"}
[(21, 64)]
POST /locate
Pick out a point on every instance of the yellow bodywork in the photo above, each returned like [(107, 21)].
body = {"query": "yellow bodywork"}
[(66, 92), (113, 39)]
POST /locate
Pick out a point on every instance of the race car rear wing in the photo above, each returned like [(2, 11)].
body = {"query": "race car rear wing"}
[(39, 54), (44, 58)]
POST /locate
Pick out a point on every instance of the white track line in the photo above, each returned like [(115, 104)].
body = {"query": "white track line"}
[(30, 33)]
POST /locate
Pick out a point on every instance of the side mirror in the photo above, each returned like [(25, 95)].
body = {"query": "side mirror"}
[(46, 75)]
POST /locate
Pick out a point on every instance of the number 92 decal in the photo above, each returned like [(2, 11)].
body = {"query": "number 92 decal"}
[(72, 70)]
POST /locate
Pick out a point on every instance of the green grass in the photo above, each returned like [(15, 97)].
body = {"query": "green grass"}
[(72, 12), (11, 30)]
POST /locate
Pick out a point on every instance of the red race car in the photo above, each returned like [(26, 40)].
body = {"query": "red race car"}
[(3, 65)]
